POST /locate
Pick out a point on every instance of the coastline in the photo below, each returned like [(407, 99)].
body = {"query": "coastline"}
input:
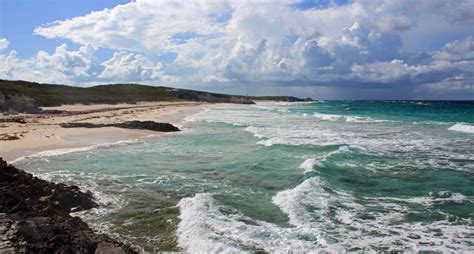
[(32, 134)]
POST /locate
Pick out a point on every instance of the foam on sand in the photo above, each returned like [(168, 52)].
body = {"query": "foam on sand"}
[(63, 151)]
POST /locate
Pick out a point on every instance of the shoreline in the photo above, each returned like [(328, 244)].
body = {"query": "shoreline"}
[(33, 134)]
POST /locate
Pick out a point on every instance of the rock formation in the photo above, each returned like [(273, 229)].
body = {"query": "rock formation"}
[(141, 125), (34, 217)]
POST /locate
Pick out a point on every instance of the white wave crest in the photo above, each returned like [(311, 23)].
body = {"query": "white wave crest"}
[(349, 119), (312, 205), (308, 165), (204, 229), (431, 199), (271, 108), (194, 117), (254, 131), (462, 127), (328, 117)]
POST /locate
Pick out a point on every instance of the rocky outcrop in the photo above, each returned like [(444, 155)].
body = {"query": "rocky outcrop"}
[(141, 125), (13, 103), (34, 217)]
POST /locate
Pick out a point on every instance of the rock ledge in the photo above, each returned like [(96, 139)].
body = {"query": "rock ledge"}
[(141, 125), (34, 217)]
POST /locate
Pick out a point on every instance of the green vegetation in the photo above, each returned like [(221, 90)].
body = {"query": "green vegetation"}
[(22, 95), (55, 95)]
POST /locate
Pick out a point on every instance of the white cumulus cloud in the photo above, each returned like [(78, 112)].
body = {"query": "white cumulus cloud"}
[(4, 43), (262, 42), (130, 67)]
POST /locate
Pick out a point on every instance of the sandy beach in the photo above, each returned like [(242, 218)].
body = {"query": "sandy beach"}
[(27, 134)]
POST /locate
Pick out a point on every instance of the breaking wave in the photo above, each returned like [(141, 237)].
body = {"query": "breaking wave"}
[(462, 127)]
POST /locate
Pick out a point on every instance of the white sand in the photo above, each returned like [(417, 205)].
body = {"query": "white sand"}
[(42, 132)]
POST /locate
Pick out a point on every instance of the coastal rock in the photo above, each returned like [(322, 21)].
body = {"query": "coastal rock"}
[(142, 125), (34, 217), (147, 125), (15, 119), (21, 190), (13, 103), (7, 137)]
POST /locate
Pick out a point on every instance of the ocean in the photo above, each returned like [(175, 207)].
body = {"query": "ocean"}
[(335, 176)]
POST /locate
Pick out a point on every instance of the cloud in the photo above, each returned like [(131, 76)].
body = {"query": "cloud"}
[(260, 42), (78, 64), (79, 67), (62, 66), (401, 73), (457, 50), (129, 67), (4, 43), (143, 25)]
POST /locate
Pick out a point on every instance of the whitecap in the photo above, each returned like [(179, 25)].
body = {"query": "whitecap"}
[(335, 214), (205, 229), (349, 119), (328, 117), (254, 131), (462, 127), (308, 165)]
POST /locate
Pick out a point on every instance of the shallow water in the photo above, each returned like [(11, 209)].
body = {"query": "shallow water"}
[(335, 176)]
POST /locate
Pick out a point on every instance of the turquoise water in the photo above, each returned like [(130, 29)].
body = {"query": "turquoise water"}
[(331, 176)]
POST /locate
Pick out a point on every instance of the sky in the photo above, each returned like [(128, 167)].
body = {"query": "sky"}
[(324, 49)]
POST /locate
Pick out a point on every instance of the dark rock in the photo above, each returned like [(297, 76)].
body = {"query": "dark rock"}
[(13, 103), (18, 186), (15, 119), (53, 112), (142, 125), (7, 137), (82, 125), (35, 215), (147, 125)]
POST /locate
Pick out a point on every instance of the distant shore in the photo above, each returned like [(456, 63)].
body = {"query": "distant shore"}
[(28, 134)]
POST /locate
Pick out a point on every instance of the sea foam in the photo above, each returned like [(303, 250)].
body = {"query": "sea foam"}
[(205, 229), (63, 151), (310, 206), (349, 119), (308, 165), (462, 127)]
